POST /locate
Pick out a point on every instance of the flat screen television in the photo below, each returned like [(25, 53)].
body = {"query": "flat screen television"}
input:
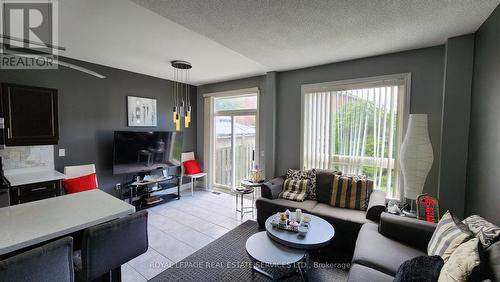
[(136, 152)]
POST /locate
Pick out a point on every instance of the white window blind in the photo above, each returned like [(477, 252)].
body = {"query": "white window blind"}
[(355, 128)]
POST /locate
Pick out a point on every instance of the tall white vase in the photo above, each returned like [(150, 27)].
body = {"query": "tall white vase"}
[(416, 156)]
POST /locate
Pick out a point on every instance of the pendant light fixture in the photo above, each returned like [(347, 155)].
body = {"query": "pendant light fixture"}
[(182, 101)]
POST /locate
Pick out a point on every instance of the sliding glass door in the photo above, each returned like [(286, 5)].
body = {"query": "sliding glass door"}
[(235, 139), (223, 151), (244, 145)]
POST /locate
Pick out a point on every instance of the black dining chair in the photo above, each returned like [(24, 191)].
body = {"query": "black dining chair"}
[(105, 247), (52, 262)]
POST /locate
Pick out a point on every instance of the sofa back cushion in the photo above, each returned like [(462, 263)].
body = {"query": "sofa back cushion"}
[(351, 192), (294, 190), (324, 181), (493, 257)]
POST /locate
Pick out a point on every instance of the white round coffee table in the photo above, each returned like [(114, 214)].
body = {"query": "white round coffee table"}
[(265, 250), (320, 233)]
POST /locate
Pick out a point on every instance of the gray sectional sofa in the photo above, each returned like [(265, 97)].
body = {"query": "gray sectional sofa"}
[(347, 222), (382, 248), (380, 242)]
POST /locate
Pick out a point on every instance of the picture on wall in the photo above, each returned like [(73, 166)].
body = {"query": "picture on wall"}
[(141, 111)]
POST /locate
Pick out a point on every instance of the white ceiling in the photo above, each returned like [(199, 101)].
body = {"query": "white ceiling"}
[(238, 38), (123, 35)]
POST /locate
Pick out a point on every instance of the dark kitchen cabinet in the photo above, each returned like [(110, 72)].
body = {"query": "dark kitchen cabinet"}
[(30, 115), (33, 192)]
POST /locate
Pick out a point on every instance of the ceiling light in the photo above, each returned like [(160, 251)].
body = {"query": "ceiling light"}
[(182, 101)]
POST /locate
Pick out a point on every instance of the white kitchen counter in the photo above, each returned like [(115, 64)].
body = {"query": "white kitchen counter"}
[(17, 179), (31, 223)]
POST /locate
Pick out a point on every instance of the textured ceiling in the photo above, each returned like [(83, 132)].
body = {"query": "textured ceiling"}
[(239, 38), (124, 35), (288, 34)]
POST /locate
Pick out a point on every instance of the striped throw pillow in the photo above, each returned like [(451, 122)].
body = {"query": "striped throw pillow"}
[(295, 190), (487, 232), (449, 234), (350, 192)]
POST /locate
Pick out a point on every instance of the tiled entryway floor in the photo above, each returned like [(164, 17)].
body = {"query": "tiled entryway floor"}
[(180, 227)]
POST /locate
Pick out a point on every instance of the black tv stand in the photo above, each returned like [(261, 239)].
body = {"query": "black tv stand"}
[(146, 193)]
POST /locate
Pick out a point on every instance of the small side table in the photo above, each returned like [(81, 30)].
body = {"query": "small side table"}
[(239, 194), (266, 251), (249, 184)]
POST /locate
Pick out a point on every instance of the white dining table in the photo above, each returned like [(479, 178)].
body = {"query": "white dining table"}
[(31, 223)]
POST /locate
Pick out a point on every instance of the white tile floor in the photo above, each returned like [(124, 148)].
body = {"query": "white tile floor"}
[(180, 227)]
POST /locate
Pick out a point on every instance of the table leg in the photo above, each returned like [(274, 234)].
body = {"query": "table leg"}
[(306, 270), (302, 274), (116, 274), (130, 194), (236, 204), (178, 188), (242, 207), (266, 274), (253, 203)]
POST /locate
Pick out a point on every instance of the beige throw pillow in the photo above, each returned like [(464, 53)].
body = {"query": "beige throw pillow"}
[(461, 262)]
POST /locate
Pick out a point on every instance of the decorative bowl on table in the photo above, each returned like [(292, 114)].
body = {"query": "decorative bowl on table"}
[(306, 220), (303, 230)]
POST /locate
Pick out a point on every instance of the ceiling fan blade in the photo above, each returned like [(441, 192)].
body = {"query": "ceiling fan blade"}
[(78, 68), (50, 46), (68, 65)]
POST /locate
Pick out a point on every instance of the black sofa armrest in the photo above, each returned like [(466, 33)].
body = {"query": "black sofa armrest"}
[(272, 188), (410, 231), (376, 205)]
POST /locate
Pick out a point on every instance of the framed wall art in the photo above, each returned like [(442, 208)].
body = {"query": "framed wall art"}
[(141, 111)]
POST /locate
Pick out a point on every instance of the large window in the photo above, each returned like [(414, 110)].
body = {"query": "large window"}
[(355, 127)]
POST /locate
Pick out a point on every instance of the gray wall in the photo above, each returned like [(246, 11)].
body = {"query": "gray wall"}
[(425, 66), (90, 109), (483, 189), (459, 55), (280, 101)]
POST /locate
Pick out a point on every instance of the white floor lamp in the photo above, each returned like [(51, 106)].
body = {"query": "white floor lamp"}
[(416, 156)]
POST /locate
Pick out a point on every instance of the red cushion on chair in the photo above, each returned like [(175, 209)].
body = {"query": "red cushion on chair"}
[(79, 184), (192, 167)]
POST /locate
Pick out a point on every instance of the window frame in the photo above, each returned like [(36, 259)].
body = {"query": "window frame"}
[(403, 108), (209, 125)]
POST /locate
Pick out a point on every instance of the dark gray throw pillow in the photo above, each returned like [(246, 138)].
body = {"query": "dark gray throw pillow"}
[(420, 269)]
